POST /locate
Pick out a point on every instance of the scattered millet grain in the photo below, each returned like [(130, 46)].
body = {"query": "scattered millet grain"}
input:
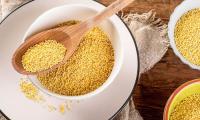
[(62, 108), (187, 109), (68, 23), (88, 68), (187, 36), (33, 93), (68, 105), (51, 108), (30, 91), (43, 56)]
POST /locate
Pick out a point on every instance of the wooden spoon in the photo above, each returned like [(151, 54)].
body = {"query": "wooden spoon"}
[(70, 37)]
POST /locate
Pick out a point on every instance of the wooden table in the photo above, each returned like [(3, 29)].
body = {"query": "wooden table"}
[(155, 86)]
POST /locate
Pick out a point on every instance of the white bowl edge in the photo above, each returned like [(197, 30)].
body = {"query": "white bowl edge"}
[(180, 10), (111, 78)]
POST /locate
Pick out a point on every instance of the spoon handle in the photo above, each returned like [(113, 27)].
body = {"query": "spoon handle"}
[(77, 31), (95, 20)]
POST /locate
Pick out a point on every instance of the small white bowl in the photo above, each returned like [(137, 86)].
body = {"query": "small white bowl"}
[(80, 12), (180, 10)]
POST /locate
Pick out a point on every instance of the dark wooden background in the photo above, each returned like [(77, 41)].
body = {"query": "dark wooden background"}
[(155, 86)]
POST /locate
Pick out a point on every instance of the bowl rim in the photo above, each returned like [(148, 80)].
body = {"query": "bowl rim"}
[(174, 94), (171, 29)]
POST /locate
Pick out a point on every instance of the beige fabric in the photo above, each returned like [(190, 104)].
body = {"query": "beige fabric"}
[(152, 41), (2, 118), (9, 5), (0, 13), (151, 38), (129, 113)]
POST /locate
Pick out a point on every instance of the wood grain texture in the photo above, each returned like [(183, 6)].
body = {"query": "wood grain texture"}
[(155, 86)]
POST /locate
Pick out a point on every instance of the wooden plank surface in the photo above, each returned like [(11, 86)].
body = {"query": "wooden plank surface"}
[(155, 86)]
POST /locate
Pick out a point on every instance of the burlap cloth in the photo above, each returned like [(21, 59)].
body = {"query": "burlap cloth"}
[(151, 38)]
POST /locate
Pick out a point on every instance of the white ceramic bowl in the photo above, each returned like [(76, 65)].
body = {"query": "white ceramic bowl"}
[(79, 12), (180, 10)]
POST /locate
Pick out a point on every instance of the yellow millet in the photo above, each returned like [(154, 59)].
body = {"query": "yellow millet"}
[(88, 68), (43, 56), (30, 91), (68, 23), (68, 105), (62, 108), (187, 109), (51, 107), (187, 36)]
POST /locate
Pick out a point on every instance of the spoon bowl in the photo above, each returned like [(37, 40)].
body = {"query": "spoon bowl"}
[(53, 34)]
